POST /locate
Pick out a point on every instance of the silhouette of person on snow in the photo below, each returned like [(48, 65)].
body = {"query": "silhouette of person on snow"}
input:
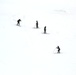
[(37, 24), (18, 22), (45, 30), (58, 49)]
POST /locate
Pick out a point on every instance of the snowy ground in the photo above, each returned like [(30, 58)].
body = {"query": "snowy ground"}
[(27, 51)]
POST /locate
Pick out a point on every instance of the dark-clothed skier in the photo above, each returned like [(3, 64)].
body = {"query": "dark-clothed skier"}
[(18, 22), (36, 24), (58, 49), (45, 30)]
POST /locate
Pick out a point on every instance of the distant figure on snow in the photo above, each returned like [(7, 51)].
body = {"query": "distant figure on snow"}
[(37, 24), (45, 30), (18, 22), (58, 49)]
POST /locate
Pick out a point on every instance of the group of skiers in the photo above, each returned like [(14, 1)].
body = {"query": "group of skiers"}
[(19, 20), (38, 27), (18, 24)]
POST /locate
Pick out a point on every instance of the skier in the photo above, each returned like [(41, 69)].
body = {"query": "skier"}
[(45, 30), (18, 22), (58, 49), (36, 24)]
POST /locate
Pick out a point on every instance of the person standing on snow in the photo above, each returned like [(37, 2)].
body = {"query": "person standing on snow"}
[(37, 24), (45, 30), (18, 22), (58, 49)]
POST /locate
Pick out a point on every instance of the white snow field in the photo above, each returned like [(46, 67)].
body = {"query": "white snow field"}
[(26, 50)]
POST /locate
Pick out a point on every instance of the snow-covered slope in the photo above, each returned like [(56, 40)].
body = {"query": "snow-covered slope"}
[(26, 50)]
